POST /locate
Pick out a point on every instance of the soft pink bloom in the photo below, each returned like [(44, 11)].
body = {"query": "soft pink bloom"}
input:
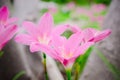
[(7, 28), (52, 10), (82, 11), (100, 20), (39, 34), (66, 50), (92, 35), (71, 5), (97, 8)]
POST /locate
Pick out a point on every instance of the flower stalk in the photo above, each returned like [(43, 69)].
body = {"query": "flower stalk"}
[(45, 67), (68, 73), (76, 75)]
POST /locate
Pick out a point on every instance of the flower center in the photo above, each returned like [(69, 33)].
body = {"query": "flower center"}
[(44, 40)]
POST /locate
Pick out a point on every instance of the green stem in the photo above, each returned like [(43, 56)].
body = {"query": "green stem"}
[(45, 67), (76, 75), (68, 73)]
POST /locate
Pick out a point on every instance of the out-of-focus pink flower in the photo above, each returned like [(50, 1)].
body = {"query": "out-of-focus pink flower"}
[(82, 11), (92, 35), (39, 34), (71, 5), (7, 28), (97, 8), (52, 10), (100, 20)]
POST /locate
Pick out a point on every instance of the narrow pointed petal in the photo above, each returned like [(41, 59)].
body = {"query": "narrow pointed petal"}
[(11, 21), (4, 14), (31, 28), (88, 34), (82, 49), (24, 39), (74, 41), (101, 35), (58, 30), (75, 29), (45, 24), (8, 33)]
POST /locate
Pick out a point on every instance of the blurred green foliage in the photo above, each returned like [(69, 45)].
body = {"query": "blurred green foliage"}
[(107, 2), (61, 16), (81, 2)]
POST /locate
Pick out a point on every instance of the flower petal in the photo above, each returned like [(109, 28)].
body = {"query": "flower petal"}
[(101, 35), (8, 33), (31, 28), (11, 21), (58, 40), (45, 24), (58, 30), (73, 42), (75, 29), (24, 39), (4, 14), (44, 48), (82, 49), (88, 34)]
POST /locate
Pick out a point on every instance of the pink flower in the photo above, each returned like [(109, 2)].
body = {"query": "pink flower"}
[(4, 17), (92, 35), (82, 11), (7, 28), (39, 34), (66, 50), (52, 10), (97, 8), (71, 5)]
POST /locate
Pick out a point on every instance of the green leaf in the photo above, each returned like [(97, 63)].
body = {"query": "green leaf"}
[(18, 75), (81, 62)]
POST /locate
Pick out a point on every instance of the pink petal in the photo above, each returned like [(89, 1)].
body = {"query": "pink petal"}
[(82, 49), (44, 48), (4, 14), (75, 29), (74, 41), (88, 34), (31, 28), (24, 39), (46, 24), (8, 33), (101, 35), (2, 45), (58, 30), (11, 21), (58, 40)]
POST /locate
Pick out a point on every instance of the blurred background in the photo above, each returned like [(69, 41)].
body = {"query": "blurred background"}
[(100, 62)]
